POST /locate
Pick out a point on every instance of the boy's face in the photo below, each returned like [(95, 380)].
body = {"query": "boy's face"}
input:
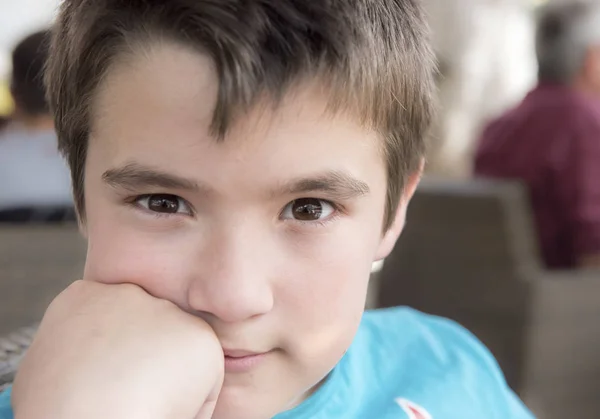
[(269, 236)]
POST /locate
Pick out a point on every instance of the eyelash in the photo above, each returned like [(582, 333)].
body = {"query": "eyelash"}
[(319, 223), (134, 201), (338, 209)]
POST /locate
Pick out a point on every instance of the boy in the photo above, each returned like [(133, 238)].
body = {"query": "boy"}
[(238, 165)]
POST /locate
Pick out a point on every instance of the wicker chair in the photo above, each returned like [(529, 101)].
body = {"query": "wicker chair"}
[(469, 253), (12, 349)]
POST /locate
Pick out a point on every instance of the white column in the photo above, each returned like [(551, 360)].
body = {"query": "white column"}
[(487, 49)]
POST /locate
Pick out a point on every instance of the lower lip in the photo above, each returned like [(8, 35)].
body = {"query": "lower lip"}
[(244, 364)]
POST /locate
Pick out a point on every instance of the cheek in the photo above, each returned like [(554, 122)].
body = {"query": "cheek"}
[(324, 296), (118, 253)]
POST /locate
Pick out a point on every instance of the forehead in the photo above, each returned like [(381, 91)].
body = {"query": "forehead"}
[(156, 105)]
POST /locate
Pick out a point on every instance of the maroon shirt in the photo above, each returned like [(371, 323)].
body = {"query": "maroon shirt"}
[(551, 142)]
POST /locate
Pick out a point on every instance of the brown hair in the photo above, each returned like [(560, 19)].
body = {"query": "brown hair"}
[(373, 56)]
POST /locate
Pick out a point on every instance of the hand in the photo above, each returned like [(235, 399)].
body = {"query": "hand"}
[(114, 351)]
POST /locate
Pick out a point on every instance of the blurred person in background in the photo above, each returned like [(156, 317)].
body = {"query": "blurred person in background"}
[(551, 141), (34, 178)]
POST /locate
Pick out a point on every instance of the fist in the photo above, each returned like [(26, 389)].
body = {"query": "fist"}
[(114, 351)]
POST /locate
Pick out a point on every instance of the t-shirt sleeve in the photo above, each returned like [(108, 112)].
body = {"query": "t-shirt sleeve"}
[(5, 409), (480, 371)]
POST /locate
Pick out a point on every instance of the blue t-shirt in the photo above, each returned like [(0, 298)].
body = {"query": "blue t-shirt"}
[(406, 365)]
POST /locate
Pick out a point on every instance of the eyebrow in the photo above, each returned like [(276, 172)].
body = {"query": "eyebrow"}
[(134, 176), (340, 184)]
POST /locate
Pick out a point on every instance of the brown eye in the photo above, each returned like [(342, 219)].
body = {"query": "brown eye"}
[(164, 204), (308, 209)]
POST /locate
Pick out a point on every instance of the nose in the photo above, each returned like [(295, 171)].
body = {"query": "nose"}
[(233, 277)]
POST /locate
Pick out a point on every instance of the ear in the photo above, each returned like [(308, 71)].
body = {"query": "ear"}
[(16, 111), (595, 58), (591, 66), (390, 237)]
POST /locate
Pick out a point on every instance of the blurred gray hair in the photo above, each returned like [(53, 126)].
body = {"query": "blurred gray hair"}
[(565, 32)]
